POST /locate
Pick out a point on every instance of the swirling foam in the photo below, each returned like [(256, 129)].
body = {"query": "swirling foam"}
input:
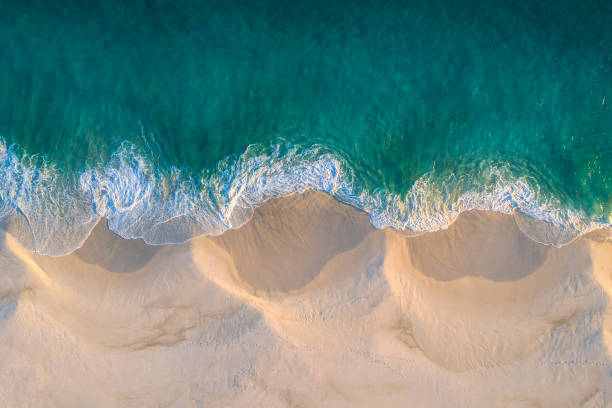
[(52, 214)]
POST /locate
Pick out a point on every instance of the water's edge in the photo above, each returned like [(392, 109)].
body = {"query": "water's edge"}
[(52, 213)]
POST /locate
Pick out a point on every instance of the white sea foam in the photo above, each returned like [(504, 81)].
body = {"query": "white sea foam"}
[(53, 214)]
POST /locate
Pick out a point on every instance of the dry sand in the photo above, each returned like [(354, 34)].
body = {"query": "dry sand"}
[(308, 305)]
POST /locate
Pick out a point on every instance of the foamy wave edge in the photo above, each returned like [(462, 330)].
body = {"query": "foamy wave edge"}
[(51, 214)]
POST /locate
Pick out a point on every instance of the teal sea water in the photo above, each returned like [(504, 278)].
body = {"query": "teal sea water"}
[(174, 119)]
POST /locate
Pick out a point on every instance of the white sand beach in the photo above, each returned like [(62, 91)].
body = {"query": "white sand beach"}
[(308, 305)]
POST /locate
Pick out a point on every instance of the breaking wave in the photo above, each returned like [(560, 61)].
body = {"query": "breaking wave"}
[(52, 213)]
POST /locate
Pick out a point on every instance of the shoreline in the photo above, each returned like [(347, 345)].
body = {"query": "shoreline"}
[(537, 230), (52, 216)]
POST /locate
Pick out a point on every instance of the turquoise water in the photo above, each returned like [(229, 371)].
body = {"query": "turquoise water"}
[(175, 119)]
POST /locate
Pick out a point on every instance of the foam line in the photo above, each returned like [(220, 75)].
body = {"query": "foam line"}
[(51, 213)]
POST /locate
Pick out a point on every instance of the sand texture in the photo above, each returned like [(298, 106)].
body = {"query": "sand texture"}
[(308, 305)]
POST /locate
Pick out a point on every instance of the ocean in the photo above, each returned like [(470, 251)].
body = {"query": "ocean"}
[(175, 119)]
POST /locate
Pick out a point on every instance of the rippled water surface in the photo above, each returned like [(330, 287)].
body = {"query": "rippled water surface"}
[(412, 111)]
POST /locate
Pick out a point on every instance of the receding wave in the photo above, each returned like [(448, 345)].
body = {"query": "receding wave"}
[(52, 213)]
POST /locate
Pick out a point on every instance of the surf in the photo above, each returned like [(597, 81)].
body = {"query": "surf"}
[(51, 212)]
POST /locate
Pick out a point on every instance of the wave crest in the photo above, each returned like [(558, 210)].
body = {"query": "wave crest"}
[(51, 213)]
